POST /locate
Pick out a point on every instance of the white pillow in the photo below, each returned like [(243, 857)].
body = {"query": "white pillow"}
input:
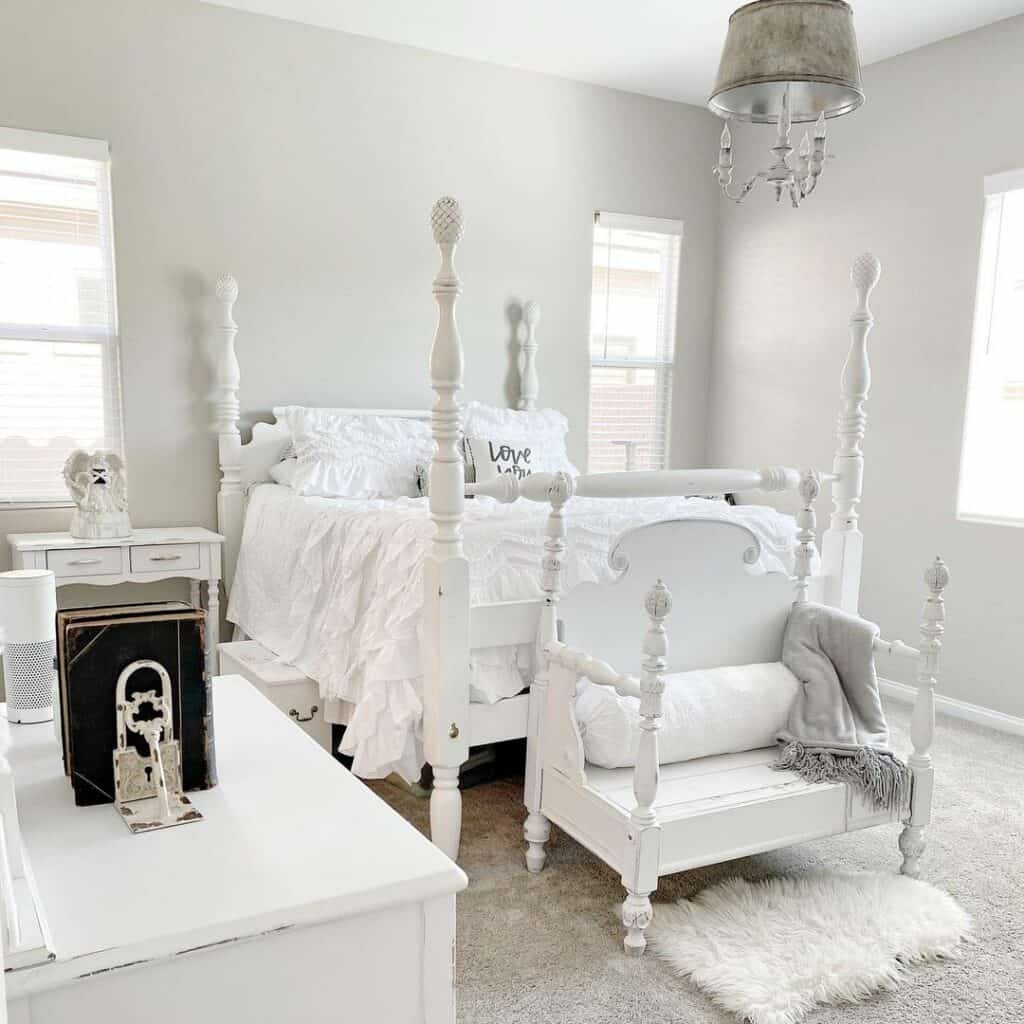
[(506, 440), (704, 712), (283, 472), (355, 455)]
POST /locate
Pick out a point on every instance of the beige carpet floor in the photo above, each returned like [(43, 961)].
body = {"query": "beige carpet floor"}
[(547, 949)]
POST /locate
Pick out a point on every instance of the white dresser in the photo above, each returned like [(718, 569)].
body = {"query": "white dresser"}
[(300, 896)]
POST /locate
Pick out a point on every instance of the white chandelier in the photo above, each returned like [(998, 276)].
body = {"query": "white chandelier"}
[(786, 62)]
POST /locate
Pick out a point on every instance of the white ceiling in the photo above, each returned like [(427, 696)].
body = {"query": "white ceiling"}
[(666, 48)]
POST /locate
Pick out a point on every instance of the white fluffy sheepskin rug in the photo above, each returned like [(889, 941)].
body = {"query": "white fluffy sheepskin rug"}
[(771, 951)]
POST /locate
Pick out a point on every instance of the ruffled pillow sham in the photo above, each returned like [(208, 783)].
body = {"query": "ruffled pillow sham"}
[(355, 455), (510, 441)]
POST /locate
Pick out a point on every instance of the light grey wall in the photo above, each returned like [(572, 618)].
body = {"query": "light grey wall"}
[(906, 184), (305, 162)]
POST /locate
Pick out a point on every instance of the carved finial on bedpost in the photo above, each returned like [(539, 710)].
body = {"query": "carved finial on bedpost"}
[(446, 472), (529, 381), (640, 875), (559, 489), (843, 544), (806, 521), (446, 571), (922, 722)]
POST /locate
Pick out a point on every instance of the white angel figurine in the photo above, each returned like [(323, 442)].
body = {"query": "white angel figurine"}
[(96, 481)]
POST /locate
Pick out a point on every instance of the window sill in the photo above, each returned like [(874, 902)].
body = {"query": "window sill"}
[(989, 520), (26, 506)]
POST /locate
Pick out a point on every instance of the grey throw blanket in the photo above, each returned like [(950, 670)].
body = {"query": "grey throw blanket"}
[(836, 730)]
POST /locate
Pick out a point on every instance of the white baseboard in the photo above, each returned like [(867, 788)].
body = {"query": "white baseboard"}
[(956, 708)]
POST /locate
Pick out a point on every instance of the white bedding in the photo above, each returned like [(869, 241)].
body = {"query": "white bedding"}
[(335, 587)]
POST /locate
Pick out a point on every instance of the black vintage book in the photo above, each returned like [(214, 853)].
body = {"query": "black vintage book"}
[(66, 616), (94, 652)]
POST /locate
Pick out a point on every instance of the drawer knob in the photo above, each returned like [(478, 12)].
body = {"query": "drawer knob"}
[(304, 718), (453, 731)]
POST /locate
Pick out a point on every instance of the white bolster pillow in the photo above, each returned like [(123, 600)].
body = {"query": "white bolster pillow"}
[(704, 712)]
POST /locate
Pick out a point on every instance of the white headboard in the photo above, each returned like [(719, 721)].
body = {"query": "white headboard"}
[(728, 610), (244, 464)]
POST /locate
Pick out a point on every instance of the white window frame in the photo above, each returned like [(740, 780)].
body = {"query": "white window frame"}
[(96, 150), (994, 184), (654, 225)]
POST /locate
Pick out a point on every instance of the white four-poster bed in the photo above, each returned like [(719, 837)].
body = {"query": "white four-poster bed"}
[(452, 625)]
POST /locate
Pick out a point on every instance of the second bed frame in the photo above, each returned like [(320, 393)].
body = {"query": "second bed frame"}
[(452, 625)]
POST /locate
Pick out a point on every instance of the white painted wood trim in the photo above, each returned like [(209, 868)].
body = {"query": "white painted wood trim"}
[(438, 961), (843, 543), (963, 710), (504, 720), (529, 381), (445, 633), (227, 380), (54, 144), (634, 222), (1005, 181), (510, 622)]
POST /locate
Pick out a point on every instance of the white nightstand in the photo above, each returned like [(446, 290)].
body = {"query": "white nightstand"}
[(147, 556)]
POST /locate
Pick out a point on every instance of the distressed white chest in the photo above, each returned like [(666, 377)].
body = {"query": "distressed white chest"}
[(299, 896)]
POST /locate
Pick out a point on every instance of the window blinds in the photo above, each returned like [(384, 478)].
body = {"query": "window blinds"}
[(59, 375), (632, 341), (992, 472)]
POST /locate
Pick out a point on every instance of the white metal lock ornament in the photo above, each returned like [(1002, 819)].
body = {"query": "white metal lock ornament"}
[(147, 788)]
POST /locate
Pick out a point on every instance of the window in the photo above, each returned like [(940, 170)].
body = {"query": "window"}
[(632, 341), (59, 379), (991, 469)]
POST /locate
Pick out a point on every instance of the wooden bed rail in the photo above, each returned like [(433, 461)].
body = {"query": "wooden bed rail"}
[(644, 483), (597, 671)]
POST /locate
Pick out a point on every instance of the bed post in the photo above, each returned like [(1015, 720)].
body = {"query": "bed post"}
[(922, 722), (537, 827), (806, 521), (529, 381), (643, 836), (446, 571), (843, 543), (230, 495)]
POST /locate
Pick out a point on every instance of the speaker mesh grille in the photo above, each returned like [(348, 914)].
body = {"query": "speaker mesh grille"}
[(28, 674)]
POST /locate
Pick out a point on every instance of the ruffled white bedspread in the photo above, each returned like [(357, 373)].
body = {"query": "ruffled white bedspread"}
[(335, 587)]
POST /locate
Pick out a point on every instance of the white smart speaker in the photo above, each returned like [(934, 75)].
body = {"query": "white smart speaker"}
[(28, 611)]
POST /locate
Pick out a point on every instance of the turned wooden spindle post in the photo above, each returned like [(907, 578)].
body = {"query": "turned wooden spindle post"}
[(643, 837), (230, 492), (806, 521), (843, 543), (446, 570), (537, 828), (922, 722), (529, 381)]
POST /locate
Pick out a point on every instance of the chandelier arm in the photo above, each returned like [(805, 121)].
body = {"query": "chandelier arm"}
[(745, 190)]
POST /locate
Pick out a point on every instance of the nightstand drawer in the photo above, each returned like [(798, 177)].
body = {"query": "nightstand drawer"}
[(84, 562), (164, 557)]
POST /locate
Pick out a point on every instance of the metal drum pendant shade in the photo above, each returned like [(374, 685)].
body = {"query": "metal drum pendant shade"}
[(807, 45)]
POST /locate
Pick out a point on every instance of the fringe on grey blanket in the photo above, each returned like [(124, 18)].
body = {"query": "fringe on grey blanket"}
[(836, 729), (883, 777)]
